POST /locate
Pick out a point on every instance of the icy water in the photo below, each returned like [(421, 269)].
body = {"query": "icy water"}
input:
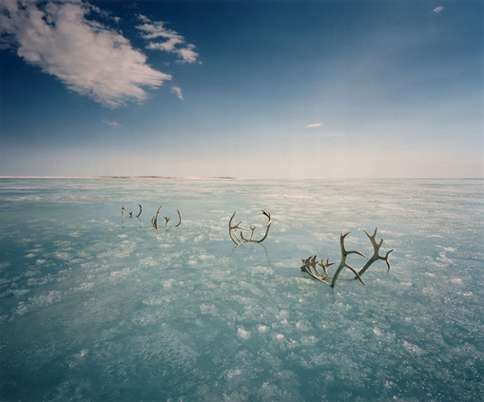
[(97, 307)]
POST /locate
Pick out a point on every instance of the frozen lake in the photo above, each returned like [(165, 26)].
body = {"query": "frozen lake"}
[(97, 307)]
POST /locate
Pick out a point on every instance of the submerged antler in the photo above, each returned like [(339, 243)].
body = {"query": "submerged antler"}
[(310, 266), (232, 227), (238, 237), (154, 219), (267, 214), (343, 264), (376, 253)]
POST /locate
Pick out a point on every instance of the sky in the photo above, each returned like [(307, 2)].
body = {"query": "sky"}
[(247, 89)]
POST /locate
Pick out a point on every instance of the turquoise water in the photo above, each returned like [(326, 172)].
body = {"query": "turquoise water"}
[(97, 307)]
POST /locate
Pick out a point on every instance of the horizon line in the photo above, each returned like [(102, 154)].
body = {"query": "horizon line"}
[(127, 177)]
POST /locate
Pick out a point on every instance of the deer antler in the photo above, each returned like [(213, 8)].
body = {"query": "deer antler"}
[(238, 240), (376, 253), (343, 264)]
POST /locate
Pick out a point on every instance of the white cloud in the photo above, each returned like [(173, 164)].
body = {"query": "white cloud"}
[(87, 56), (111, 123), (177, 91), (172, 41), (438, 9), (313, 125)]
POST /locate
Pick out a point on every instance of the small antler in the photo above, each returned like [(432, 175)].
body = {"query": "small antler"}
[(343, 264), (179, 218), (154, 219), (376, 253)]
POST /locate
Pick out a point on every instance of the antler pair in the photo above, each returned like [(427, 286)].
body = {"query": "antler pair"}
[(130, 213), (236, 231), (154, 219), (310, 264)]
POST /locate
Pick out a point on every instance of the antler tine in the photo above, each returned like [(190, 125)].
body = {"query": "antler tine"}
[(357, 275), (344, 255), (232, 227), (343, 248), (154, 219), (376, 254), (386, 259), (179, 218), (140, 210), (376, 245)]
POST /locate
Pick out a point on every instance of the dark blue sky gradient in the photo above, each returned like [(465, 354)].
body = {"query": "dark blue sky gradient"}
[(388, 77)]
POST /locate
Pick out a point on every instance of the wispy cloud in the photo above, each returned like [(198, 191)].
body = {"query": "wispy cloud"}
[(313, 125), (166, 40), (87, 56), (111, 123), (438, 9), (177, 91)]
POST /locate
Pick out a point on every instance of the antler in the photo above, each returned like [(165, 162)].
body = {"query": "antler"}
[(233, 227), (267, 214), (179, 218), (154, 219), (238, 240), (343, 264), (376, 253), (310, 265)]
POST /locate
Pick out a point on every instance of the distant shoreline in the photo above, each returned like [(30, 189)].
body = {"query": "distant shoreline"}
[(117, 177), (201, 178)]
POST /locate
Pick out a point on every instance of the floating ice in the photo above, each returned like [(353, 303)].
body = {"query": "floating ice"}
[(182, 315)]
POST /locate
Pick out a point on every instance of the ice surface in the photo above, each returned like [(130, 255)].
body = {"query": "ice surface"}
[(97, 307)]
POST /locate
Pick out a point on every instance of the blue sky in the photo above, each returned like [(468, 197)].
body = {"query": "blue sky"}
[(259, 89)]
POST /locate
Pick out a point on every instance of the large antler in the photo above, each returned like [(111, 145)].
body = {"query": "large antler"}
[(376, 253), (310, 264), (343, 264)]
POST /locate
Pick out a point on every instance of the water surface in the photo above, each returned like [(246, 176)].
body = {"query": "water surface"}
[(98, 307)]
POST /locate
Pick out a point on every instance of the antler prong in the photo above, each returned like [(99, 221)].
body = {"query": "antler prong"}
[(179, 218), (376, 254)]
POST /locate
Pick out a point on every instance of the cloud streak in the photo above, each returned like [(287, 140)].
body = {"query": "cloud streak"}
[(87, 56), (313, 125), (111, 123), (438, 9), (171, 41), (177, 91)]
